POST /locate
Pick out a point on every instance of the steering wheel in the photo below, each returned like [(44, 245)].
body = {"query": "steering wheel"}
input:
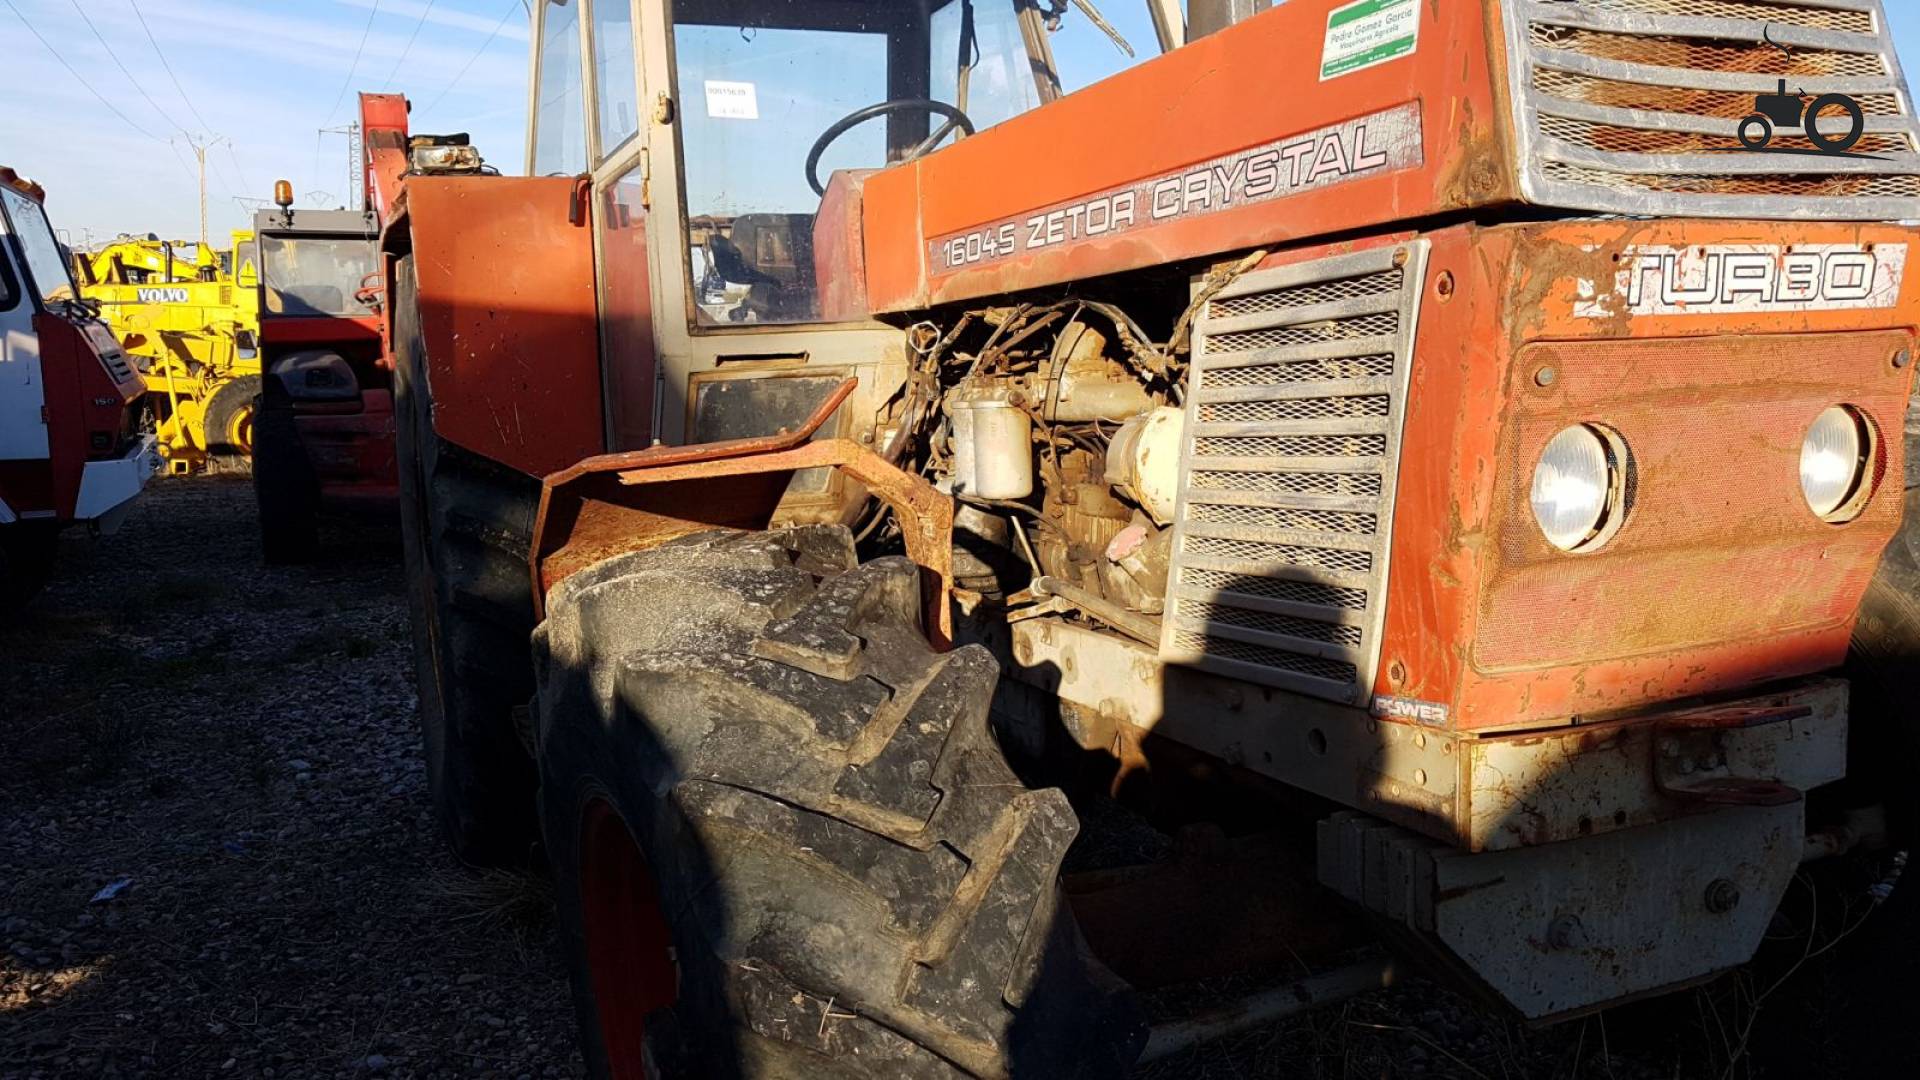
[(955, 119)]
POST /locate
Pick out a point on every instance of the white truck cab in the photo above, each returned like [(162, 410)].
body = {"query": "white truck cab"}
[(71, 444)]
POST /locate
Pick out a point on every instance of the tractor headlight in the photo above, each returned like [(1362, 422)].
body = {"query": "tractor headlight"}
[(1579, 487), (1833, 463)]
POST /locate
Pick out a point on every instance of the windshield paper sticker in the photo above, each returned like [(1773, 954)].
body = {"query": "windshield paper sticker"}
[(1726, 279), (1381, 143), (1369, 32), (732, 100)]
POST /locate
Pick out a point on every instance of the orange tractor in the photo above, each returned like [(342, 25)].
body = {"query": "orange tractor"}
[(1416, 445)]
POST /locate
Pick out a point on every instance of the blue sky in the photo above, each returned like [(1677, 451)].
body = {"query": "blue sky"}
[(268, 74), (265, 74)]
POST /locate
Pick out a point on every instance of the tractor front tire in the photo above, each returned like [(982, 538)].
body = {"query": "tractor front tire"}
[(785, 841), (284, 485), (466, 526), (228, 421)]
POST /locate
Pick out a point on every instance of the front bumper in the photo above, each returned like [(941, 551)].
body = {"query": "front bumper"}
[(351, 448), (1558, 869), (1486, 791), (108, 488)]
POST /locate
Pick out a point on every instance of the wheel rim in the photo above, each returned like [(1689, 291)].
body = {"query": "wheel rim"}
[(629, 950), (240, 430)]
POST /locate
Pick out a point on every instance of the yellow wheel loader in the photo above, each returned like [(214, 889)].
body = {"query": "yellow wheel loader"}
[(189, 316)]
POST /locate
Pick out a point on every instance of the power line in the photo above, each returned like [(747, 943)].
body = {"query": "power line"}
[(115, 57), (355, 66), (76, 75), (238, 169), (501, 25), (161, 55), (168, 67), (428, 10)]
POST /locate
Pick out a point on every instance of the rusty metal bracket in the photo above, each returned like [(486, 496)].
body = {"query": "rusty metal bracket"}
[(616, 503), (1690, 758)]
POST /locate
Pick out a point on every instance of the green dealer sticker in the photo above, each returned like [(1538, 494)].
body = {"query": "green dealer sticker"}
[(1369, 32)]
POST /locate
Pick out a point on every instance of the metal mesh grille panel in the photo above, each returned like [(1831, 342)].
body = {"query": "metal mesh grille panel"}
[(1281, 517), (1307, 564), (1687, 101), (1891, 187), (1241, 412), (1313, 333), (1301, 446), (1319, 370), (1289, 299), (1279, 660), (1857, 22), (1217, 547), (1631, 140), (1267, 622), (1636, 107), (1266, 588), (1297, 483), (1706, 54)]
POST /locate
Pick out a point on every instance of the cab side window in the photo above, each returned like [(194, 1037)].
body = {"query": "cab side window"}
[(614, 83), (9, 283), (560, 123)]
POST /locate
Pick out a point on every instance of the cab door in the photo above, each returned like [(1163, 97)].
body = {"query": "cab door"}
[(23, 424)]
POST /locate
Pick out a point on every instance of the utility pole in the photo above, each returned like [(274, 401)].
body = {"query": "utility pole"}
[(200, 144), (356, 176)]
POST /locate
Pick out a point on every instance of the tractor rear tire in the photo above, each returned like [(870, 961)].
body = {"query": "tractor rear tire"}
[(785, 841), (284, 484), (467, 527), (228, 419), (27, 551)]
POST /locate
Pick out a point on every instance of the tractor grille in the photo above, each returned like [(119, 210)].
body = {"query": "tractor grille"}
[(1294, 414), (1636, 106)]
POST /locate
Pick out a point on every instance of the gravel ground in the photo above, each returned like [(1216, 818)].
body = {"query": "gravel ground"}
[(237, 744), (216, 859)]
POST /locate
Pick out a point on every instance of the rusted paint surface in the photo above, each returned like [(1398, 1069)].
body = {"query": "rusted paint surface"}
[(657, 456), (1715, 405), (618, 503), (508, 309), (839, 248), (1561, 784), (1244, 87), (383, 121)]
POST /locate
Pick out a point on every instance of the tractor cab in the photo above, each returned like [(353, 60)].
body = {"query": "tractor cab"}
[(727, 141)]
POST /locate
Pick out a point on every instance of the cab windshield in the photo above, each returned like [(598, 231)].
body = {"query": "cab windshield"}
[(313, 276), (46, 264), (764, 82)]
